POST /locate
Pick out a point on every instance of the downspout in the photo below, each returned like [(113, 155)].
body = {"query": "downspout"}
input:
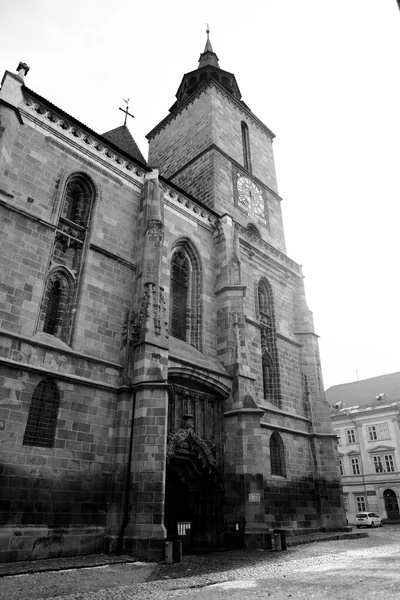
[(125, 519)]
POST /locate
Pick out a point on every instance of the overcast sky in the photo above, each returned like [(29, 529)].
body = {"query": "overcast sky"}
[(322, 75)]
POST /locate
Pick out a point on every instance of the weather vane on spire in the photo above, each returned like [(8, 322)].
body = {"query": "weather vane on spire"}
[(208, 29), (126, 111)]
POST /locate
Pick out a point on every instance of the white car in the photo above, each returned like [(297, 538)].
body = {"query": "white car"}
[(368, 519)]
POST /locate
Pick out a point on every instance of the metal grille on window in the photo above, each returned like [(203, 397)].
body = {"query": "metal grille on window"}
[(43, 412), (179, 295), (52, 308)]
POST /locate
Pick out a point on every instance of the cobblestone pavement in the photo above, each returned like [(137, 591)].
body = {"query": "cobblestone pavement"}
[(204, 576)]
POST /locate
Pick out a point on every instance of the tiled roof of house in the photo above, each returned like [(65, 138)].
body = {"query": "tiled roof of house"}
[(365, 392)]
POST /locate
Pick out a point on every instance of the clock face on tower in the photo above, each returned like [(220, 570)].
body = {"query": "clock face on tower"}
[(250, 197)]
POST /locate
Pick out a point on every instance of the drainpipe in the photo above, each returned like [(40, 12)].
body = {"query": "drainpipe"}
[(125, 519)]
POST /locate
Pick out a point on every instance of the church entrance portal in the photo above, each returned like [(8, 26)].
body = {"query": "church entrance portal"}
[(193, 508), (391, 505), (194, 497)]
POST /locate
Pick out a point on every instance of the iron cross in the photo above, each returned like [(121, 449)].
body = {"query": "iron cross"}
[(126, 110)]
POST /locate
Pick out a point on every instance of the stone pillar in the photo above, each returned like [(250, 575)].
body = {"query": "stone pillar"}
[(146, 374), (243, 456)]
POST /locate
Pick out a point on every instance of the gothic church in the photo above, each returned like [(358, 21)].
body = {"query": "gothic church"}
[(159, 370)]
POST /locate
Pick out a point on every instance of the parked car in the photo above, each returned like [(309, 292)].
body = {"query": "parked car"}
[(368, 519)]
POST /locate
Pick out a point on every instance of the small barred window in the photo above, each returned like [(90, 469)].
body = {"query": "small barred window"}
[(43, 413)]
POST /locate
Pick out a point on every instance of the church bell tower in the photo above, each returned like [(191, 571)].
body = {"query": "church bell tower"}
[(279, 451)]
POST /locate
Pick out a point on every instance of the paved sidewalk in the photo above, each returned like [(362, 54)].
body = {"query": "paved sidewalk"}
[(159, 571)]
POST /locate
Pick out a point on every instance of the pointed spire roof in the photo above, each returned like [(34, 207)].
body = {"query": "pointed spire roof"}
[(122, 137), (208, 70), (208, 57)]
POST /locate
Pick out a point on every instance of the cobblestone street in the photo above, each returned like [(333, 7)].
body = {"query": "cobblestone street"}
[(365, 567)]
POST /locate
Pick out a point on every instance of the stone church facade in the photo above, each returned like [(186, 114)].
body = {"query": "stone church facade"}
[(159, 370)]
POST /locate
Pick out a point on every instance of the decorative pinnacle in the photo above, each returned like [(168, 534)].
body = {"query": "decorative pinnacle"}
[(208, 47), (208, 57)]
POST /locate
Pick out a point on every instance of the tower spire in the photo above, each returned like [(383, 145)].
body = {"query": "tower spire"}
[(208, 57)]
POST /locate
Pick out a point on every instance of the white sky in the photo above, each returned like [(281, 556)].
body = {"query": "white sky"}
[(322, 75)]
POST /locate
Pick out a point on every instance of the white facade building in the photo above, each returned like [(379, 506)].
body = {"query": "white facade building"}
[(366, 422)]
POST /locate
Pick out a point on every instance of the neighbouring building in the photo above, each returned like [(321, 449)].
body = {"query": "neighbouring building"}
[(366, 417), (160, 373)]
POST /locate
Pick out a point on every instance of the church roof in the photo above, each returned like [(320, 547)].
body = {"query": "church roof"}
[(122, 137), (365, 392)]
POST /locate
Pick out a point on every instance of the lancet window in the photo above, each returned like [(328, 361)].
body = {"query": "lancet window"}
[(185, 303), (56, 304), (62, 280), (246, 146), (43, 413), (268, 342), (277, 455)]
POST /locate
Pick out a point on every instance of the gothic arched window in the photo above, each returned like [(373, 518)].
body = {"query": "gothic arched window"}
[(78, 199), (43, 413), (185, 304), (268, 376), (269, 357), (179, 294), (252, 229), (56, 304), (246, 146), (277, 455)]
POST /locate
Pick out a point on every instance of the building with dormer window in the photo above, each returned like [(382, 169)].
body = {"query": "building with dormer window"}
[(366, 420)]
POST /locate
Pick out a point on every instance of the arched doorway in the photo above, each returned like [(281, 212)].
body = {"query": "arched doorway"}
[(391, 505), (193, 491), (193, 507)]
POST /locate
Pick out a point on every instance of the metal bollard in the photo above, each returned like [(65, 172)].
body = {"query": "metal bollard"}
[(169, 548), (277, 542)]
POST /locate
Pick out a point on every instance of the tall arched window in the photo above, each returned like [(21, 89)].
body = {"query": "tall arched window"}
[(62, 280), (268, 376), (246, 146), (179, 294), (57, 303), (277, 455), (269, 358), (43, 413), (185, 300), (77, 201)]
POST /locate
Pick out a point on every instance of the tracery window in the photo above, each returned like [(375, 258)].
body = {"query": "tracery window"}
[(43, 413), (62, 281), (277, 455), (267, 374), (268, 343), (179, 294), (252, 229), (56, 304), (77, 202), (185, 300)]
